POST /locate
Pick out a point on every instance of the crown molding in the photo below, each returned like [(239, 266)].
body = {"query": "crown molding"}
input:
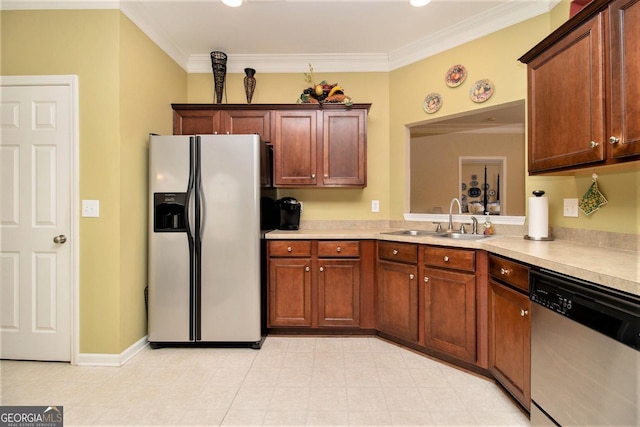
[(294, 63)]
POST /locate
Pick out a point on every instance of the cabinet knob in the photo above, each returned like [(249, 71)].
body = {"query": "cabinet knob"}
[(426, 279), (338, 249), (504, 271), (395, 252), (411, 276), (289, 249), (326, 175), (524, 312), (321, 269), (446, 258), (613, 140), (593, 144), (313, 175), (307, 269)]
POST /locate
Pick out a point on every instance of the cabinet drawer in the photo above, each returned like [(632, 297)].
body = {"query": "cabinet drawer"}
[(290, 248), (398, 252), (509, 272), (338, 249), (457, 259)]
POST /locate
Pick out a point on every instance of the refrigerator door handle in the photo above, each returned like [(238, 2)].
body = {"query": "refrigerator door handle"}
[(192, 229)]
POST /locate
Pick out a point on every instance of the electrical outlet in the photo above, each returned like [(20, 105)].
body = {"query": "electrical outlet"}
[(571, 208), (375, 206), (91, 208)]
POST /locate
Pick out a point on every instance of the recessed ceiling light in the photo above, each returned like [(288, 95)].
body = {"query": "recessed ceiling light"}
[(419, 3), (232, 3)]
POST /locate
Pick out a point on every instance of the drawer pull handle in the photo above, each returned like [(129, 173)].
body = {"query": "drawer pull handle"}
[(321, 268), (339, 249), (307, 269), (504, 271), (395, 252), (446, 258), (426, 279), (411, 276), (289, 249), (524, 312)]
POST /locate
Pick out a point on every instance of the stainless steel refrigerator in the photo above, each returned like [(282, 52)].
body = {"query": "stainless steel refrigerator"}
[(204, 240)]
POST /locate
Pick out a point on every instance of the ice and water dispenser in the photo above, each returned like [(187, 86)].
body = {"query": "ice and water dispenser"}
[(169, 212)]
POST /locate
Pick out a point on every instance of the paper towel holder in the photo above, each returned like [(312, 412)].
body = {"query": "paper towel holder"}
[(538, 193)]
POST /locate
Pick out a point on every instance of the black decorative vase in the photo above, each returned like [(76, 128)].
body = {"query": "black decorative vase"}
[(249, 83), (219, 65)]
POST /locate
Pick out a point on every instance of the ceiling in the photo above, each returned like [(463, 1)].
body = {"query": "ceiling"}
[(288, 35)]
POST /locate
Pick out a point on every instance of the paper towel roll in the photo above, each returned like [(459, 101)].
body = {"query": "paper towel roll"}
[(538, 217)]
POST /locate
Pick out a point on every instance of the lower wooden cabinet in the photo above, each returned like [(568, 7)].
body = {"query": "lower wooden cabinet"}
[(397, 290), (289, 289), (449, 282), (509, 327), (314, 284)]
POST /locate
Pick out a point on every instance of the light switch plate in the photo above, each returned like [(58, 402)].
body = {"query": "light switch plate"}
[(571, 208), (91, 208)]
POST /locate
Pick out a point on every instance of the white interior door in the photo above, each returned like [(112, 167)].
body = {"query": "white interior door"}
[(36, 222)]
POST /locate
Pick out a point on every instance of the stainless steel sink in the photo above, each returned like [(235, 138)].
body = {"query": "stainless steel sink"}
[(414, 233), (463, 236)]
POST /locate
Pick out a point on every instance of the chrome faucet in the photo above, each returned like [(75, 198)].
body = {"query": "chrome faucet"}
[(450, 226), (474, 228)]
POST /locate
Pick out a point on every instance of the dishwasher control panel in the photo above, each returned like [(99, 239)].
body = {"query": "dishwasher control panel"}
[(552, 300)]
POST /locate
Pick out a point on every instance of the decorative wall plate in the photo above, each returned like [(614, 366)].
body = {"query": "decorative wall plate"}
[(481, 90), (455, 76), (432, 103)]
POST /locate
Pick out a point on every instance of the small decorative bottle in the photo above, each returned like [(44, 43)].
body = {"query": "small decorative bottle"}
[(249, 83), (488, 227)]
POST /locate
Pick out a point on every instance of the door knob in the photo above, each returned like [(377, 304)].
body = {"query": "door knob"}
[(60, 239)]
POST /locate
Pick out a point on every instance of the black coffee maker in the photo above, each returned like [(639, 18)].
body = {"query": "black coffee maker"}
[(289, 213)]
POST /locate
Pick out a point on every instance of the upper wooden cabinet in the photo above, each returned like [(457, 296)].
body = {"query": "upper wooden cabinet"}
[(314, 146), (191, 119), (321, 148), (584, 103)]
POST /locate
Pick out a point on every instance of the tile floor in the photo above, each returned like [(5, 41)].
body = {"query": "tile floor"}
[(291, 381)]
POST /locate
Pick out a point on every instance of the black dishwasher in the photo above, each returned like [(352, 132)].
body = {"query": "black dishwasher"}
[(585, 352)]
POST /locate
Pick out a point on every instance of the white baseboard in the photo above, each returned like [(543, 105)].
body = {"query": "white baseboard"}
[(116, 360)]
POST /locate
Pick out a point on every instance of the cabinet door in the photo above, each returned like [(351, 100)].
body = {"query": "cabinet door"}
[(624, 18), (247, 122), (397, 300), (289, 292), (344, 138), (295, 148), (339, 293), (192, 122), (450, 312), (509, 340), (566, 101)]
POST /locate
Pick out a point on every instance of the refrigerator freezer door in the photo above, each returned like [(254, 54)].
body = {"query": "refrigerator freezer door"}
[(169, 289), (230, 286)]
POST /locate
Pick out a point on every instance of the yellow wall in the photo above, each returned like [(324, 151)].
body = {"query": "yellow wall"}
[(121, 101), (149, 82)]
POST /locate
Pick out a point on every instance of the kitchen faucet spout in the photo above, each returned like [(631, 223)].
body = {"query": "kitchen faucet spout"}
[(454, 200)]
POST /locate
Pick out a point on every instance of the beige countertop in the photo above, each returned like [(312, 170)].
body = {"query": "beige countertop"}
[(614, 268)]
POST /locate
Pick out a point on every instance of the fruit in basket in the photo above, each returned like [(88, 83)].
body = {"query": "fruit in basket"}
[(322, 92)]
